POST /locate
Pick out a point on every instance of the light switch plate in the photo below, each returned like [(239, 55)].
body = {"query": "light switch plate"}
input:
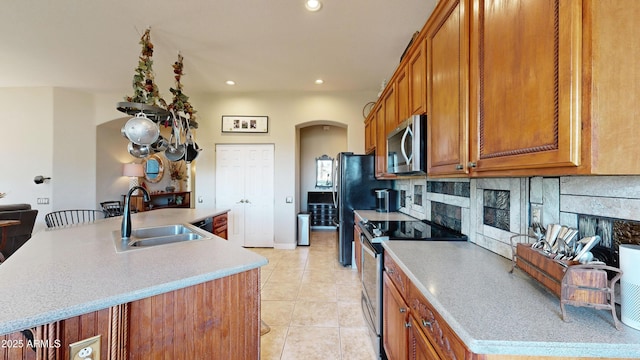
[(87, 349)]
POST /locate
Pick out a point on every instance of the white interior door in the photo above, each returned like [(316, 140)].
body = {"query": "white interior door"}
[(259, 196), (244, 184)]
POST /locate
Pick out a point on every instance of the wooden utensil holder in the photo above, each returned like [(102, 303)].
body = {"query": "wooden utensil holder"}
[(547, 271)]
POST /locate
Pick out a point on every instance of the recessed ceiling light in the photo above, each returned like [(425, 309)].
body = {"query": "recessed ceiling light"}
[(230, 82), (313, 5), (319, 81)]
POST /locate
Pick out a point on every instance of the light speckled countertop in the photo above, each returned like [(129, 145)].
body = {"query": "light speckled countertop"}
[(494, 312), (373, 215), (60, 273)]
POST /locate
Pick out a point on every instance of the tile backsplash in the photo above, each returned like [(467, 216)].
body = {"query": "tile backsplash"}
[(491, 210)]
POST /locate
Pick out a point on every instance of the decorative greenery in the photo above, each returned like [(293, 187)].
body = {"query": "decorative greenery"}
[(177, 171), (145, 90), (180, 101)]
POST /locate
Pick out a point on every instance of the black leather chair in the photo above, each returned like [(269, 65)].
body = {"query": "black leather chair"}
[(19, 234)]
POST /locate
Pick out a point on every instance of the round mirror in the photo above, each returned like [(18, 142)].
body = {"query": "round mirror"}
[(153, 168)]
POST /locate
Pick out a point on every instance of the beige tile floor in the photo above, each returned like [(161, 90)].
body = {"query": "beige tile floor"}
[(312, 304)]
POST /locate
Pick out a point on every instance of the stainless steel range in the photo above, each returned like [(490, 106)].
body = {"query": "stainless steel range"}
[(371, 263)]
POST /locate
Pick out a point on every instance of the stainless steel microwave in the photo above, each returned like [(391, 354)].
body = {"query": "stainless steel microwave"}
[(407, 147)]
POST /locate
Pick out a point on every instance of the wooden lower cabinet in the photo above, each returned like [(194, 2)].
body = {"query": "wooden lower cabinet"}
[(394, 323), (220, 226), (412, 329), (419, 346), (218, 319)]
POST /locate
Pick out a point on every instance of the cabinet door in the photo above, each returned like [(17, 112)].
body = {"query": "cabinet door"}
[(419, 345), (402, 99), (447, 89), (525, 84), (370, 134), (418, 79), (381, 142), (394, 321), (390, 109)]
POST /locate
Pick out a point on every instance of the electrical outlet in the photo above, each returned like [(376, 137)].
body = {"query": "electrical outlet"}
[(536, 213), (43, 201), (87, 349)]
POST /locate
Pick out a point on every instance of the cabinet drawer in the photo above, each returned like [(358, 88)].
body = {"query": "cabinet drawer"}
[(396, 275), (220, 220), (443, 339)]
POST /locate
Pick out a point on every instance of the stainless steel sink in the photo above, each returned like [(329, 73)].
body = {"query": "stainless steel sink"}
[(158, 235)]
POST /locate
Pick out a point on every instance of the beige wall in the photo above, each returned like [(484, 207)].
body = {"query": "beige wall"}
[(288, 112), (54, 133), (49, 132)]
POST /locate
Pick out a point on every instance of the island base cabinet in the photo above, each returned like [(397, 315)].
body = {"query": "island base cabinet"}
[(218, 319)]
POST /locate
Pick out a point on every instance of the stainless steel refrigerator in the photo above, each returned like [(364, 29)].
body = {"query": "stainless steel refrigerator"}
[(354, 189)]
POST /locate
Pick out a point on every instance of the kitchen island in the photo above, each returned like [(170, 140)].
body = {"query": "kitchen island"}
[(498, 315), (73, 277)]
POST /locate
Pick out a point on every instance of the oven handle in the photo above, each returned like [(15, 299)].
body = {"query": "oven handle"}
[(365, 313), (367, 247)]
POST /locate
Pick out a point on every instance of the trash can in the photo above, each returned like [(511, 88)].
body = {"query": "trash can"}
[(304, 225)]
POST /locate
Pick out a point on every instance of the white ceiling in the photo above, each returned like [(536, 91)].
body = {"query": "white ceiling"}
[(263, 45)]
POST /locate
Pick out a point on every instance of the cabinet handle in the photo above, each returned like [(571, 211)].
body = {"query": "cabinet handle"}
[(426, 323), (459, 167), (403, 310), (247, 201), (472, 164), (389, 271), (407, 324), (240, 202)]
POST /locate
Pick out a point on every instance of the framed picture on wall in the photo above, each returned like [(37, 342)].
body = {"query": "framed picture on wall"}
[(245, 124)]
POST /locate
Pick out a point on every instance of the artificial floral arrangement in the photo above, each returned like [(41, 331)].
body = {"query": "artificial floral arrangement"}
[(177, 171), (145, 90), (180, 103)]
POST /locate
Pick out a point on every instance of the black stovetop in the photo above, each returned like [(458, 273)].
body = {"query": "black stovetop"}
[(409, 230)]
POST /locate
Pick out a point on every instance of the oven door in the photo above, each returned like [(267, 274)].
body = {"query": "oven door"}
[(372, 285)]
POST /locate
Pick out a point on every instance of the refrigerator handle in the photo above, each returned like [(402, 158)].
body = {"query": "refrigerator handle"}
[(334, 193)]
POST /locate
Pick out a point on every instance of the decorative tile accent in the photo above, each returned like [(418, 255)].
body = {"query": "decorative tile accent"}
[(612, 232), (455, 188), (417, 195), (449, 216), (403, 198), (626, 232), (496, 209)]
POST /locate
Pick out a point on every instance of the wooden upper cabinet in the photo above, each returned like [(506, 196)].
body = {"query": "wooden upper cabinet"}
[(417, 67), (381, 141), (370, 133), (447, 89), (525, 84), (402, 98), (390, 108)]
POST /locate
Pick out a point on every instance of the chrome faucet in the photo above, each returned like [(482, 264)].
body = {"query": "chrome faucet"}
[(125, 229)]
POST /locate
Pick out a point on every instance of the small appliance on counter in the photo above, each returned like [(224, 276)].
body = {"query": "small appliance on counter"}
[(387, 200), (630, 285)]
